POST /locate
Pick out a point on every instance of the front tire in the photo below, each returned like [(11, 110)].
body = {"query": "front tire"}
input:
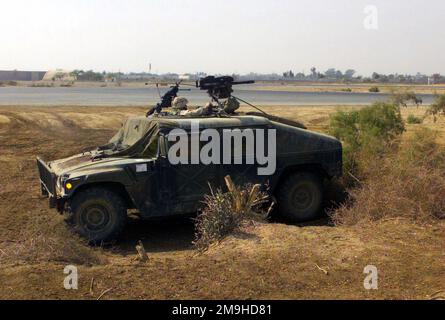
[(300, 197), (98, 215)]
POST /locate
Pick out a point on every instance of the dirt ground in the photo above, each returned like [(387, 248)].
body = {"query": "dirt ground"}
[(264, 261)]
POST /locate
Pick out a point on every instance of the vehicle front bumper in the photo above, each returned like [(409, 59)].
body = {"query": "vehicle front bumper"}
[(48, 185)]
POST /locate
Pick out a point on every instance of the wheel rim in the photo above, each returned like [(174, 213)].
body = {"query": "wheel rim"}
[(303, 197), (95, 218)]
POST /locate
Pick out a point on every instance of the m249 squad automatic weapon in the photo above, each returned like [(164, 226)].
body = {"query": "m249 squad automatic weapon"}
[(166, 100)]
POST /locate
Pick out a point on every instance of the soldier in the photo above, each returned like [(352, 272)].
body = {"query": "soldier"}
[(180, 108), (179, 105), (207, 110), (231, 105)]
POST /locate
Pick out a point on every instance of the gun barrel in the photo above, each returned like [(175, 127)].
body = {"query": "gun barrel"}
[(243, 82)]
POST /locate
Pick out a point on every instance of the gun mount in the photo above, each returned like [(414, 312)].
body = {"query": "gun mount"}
[(219, 87)]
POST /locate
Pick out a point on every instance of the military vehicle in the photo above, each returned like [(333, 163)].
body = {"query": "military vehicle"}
[(95, 189)]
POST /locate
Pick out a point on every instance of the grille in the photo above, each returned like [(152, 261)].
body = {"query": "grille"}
[(47, 177)]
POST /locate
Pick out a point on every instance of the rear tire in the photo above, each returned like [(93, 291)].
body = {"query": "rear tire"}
[(98, 215), (300, 197)]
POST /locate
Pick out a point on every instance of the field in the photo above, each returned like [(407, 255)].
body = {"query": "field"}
[(264, 261), (261, 85)]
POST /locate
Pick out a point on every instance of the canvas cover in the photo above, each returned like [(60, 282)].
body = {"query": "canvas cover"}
[(137, 137)]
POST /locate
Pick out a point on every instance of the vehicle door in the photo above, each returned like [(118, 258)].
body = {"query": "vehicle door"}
[(185, 184)]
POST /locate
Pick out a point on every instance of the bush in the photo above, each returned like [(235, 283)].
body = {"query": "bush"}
[(366, 133), (8, 83), (67, 84), (412, 119), (41, 85), (374, 89), (403, 98), (225, 212), (438, 107), (422, 149), (408, 184)]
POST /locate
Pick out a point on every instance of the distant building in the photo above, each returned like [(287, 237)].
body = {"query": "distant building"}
[(60, 75), (16, 75), (188, 77), (184, 77)]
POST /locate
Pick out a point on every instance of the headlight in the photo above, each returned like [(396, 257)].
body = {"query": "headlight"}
[(60, 184)]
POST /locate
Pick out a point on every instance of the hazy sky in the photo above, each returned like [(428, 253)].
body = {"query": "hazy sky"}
[(222, 36)]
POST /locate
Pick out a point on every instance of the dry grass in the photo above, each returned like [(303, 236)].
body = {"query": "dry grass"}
[(226, 212), (31, 232), (407, 182), (272, 261), (44, 238)]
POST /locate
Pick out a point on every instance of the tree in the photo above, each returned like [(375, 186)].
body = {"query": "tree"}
[(90, 75), (349, 74), (338, 74), (314, 72), (288, 74), (331, 73), (436, 77)]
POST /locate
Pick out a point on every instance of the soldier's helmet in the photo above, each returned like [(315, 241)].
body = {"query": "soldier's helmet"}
[(180, 103)]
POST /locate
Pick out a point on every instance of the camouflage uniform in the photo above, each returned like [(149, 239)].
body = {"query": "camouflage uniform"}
[(207, 110), (231, 105), (179, 108), (179, 105)]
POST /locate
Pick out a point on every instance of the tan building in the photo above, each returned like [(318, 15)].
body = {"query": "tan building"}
[(59, 75)]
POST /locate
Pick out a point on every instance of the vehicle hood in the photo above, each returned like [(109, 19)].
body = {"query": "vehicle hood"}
[(87, 163)]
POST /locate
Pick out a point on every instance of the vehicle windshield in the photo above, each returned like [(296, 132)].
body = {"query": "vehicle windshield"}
[(137, 137)]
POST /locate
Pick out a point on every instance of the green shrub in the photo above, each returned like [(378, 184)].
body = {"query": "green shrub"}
[(224, 212), (412, 119), (366, 134), (374, 89), (357, 128), (438, 107)]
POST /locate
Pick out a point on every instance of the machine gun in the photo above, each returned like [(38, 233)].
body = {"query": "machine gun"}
[(166, 100), (216, 87), (219, 87)]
